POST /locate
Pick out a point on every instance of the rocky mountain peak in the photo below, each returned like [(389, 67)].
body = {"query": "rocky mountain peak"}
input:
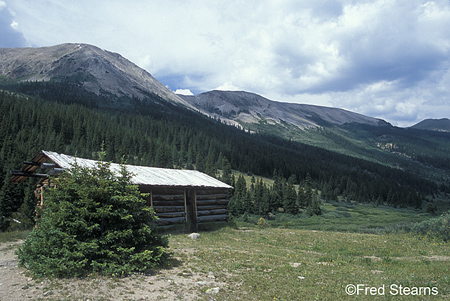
[(97, 69), (102, 71), (439, 125), (244, 107)]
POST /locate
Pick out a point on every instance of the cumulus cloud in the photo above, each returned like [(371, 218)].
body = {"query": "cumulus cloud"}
[(184, 92), (10, 36), (383, 58), (227, 87)]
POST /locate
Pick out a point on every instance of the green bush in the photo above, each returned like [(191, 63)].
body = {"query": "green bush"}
[(262, 223), (94, 221), (435, 228)]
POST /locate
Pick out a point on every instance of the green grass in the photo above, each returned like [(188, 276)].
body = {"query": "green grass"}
[(346, 217), (13, 235), (295, 258), (248, 178), (291, 264), (308, 263)]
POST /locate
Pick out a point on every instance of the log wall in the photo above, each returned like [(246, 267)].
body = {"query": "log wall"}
[(179, 206), (169, 206), (189, 206), (212, 206)]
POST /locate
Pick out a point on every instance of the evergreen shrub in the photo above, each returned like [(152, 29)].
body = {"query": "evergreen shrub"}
[(435, 228), (262, 223), (94, 221)]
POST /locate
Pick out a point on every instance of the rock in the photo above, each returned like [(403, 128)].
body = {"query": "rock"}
[(295, 264), (194, 236), (212, 291), (100, 70), (376, 271), (201, 283)]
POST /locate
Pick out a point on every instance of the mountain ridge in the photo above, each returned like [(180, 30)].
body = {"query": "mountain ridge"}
[(347, 154), (101, 71), (98, 70), (439, 125), (245, 107)]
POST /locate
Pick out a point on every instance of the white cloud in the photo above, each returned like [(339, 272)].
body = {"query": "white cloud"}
[(184, 92), (14, 25), (385, 58), (227, 87), (10, 34)]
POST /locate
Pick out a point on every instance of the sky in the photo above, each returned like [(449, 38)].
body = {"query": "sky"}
[(388, 59)]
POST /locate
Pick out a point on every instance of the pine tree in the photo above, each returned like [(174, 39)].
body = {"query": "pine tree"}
[(307, 191), (237, 205), (258, 197), (290, 197), (265, 204), (226, 171), (94, 221), (277, 191)]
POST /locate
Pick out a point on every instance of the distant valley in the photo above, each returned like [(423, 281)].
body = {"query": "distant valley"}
[(72, 98), (248, 108), (104, 72), (119, 81)]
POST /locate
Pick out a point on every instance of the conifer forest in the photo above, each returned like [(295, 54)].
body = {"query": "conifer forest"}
[(62, 117)]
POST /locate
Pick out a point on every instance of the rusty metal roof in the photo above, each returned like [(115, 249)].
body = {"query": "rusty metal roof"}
[(144, 175)]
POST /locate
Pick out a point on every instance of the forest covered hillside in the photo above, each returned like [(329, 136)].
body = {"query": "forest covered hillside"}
[(62, 117), (440, 125), (248, 108), (71, 107), (96, 70)]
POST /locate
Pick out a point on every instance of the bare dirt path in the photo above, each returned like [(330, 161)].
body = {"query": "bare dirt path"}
[(176, 283)]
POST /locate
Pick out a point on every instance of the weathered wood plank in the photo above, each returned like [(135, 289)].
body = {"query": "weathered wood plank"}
[(212, 207), (211, 196), (159, 209), (211, 212), (212, 218), (32, 163), (48, 165), (213, 202), (212, 191), (166, 197), (191, 210), (27, 174), (171, 221), (168, 203), (170, 214)]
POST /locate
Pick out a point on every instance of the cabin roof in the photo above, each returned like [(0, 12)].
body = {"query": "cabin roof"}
[(142, 175)]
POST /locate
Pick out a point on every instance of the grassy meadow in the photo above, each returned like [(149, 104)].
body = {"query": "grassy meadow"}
[(291, 264), (313, 258), (316, 258), (348, 217)]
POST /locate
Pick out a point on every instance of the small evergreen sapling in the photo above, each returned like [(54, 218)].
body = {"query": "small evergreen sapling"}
[(94, 221)]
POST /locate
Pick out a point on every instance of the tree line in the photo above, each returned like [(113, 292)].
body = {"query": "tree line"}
[(282, 196), (62, 118)]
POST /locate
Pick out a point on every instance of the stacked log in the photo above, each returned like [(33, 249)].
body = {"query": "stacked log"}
[(169, 208), (211, 207), (189, 206)]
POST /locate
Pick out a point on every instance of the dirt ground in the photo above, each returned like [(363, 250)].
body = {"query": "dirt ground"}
[(172, 284)]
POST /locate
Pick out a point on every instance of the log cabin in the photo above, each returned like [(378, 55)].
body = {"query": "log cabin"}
[(186, 197)]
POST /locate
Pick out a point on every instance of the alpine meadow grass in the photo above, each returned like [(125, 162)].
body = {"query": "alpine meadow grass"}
[(290, 264)]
